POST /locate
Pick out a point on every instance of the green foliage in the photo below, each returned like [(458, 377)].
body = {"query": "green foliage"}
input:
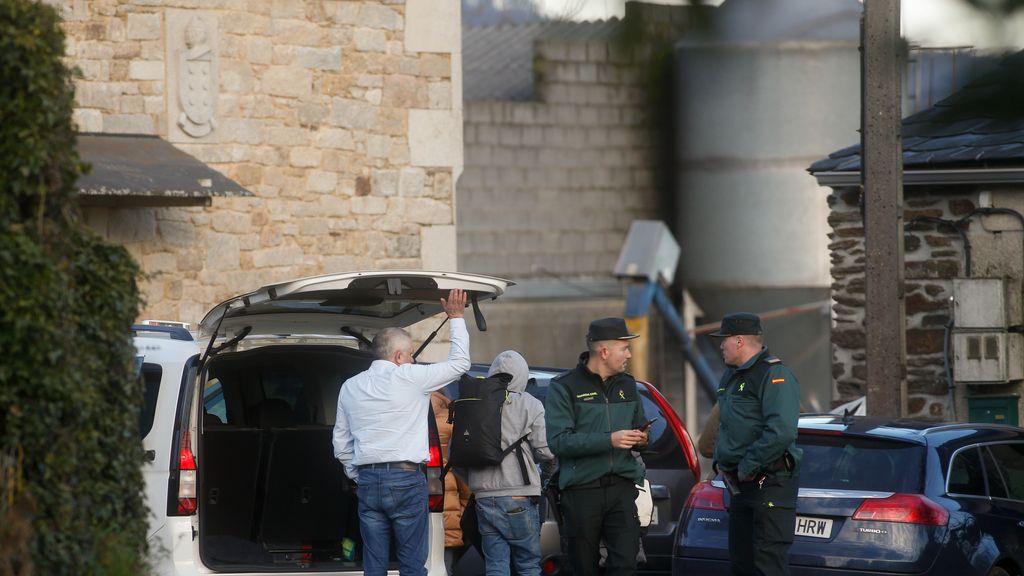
[(37, 166), (69, 400)]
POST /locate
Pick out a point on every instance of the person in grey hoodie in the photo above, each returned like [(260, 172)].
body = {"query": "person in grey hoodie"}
[(507, 509)]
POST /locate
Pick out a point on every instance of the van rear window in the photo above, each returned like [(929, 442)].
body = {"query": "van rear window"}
[(852, 463), (151, 375)]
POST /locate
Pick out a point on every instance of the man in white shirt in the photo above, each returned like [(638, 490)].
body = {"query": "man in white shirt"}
[(380, 436)]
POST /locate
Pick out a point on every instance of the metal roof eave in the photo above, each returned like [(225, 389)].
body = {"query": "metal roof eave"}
[(961, 176), (146, 170)]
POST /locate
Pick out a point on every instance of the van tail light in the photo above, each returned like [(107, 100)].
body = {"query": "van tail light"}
[(903, 508), (435, 483), (676, 425), (186, 493), (706, 496)]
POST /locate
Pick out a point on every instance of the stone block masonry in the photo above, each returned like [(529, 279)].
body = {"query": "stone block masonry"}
[(342, 118), (933, 257)]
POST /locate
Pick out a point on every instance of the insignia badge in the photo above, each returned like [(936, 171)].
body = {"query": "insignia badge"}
[(622, 394), (742, 386), (778, 380)]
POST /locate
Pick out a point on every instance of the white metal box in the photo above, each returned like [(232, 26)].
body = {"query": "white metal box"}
[(987, 357), (650, 251), (979, 303)]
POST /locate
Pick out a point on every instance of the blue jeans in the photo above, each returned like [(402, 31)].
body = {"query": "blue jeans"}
[(510, 533), (393, 501)]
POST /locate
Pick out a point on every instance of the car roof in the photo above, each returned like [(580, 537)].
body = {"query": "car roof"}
[(906, 429)]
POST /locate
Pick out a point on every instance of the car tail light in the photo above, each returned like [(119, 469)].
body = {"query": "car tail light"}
[(903, 508), (706, 496), (186, 477), (550, 567), (676, 425), (435, 484)]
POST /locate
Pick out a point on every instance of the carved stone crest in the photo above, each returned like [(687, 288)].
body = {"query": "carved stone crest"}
[(192, 82), (196, 86)]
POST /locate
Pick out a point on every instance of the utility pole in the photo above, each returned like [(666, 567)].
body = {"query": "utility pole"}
[(882, 181)]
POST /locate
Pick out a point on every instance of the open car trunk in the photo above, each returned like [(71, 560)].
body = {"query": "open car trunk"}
[(272, 497)]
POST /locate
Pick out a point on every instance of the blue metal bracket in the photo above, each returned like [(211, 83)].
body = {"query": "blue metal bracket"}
[(640, 297)]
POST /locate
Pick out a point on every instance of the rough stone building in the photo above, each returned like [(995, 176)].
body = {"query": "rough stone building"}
[(964, 254), (562, 141), (343, 119)]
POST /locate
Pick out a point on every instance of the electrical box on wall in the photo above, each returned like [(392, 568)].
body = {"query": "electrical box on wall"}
[(987, 357), (978, 303), (984, 352)]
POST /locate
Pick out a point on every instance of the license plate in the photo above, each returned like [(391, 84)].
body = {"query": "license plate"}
[(813, 527)]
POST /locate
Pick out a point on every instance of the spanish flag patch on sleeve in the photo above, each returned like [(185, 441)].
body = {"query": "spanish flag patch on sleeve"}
[(778, 380)]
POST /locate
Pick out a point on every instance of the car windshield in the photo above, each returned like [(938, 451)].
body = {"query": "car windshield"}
[(839, 462)]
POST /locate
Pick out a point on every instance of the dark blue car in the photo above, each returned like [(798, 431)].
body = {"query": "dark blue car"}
[(886, 497)]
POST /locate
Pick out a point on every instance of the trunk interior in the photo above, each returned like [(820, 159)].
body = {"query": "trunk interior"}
[(272, 496)]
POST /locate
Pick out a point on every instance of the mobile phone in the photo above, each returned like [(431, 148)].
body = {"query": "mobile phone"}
[(648, 424)]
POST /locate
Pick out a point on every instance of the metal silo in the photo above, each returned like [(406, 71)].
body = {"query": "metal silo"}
[(766, 89)]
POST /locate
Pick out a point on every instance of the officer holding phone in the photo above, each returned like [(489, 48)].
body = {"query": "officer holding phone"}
[(594, 419), (755, 452)]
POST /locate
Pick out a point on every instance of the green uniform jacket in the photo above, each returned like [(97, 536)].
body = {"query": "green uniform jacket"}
[(759, 404), (581, 412)]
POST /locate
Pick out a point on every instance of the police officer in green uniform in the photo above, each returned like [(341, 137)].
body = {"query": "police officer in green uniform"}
[(593, 418), (759, 404)]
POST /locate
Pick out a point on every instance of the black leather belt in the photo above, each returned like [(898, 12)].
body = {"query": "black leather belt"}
[(602, 482), (403, 465)]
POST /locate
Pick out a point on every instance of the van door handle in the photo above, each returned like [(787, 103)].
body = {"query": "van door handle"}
[(149, 456)]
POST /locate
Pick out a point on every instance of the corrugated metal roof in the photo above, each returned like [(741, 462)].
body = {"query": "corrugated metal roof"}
[(497, 61), (136, 169), (981, 126)]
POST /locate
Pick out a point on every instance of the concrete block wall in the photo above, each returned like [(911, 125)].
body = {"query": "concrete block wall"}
[(344, 119), (553, 184)]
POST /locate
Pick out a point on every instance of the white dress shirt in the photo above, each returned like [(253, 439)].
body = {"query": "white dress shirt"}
[(382, 411)]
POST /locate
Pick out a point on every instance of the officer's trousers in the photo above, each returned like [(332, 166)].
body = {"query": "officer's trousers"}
[(761, 524), (590, 515)]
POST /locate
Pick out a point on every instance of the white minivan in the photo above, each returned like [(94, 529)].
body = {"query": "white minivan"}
[(240, 472)]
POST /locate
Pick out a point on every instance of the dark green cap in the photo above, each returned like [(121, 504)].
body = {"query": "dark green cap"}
[(739, 324), (609, 329)]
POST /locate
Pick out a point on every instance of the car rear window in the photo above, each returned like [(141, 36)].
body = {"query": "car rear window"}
[(1010, 459), (840, 462)]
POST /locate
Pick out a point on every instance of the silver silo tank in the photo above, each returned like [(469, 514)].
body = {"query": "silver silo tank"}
[(769, 87)]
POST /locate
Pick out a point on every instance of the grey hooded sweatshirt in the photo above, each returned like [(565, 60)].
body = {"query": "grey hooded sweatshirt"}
[(522, 415)]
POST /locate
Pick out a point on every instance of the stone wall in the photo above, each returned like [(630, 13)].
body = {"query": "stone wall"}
[(933, 256), (344, 119), (554, 184)]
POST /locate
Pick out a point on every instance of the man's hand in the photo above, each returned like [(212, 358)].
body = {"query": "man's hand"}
[(626, 438), (455, 305), (646, 438)]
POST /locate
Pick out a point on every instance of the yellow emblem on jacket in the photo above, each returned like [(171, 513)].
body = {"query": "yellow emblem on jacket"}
[(622, 394)]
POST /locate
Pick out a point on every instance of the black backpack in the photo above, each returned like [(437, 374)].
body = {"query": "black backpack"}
[(476, 425)]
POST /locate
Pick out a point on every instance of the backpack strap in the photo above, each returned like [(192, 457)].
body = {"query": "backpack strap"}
[(518, 447)]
